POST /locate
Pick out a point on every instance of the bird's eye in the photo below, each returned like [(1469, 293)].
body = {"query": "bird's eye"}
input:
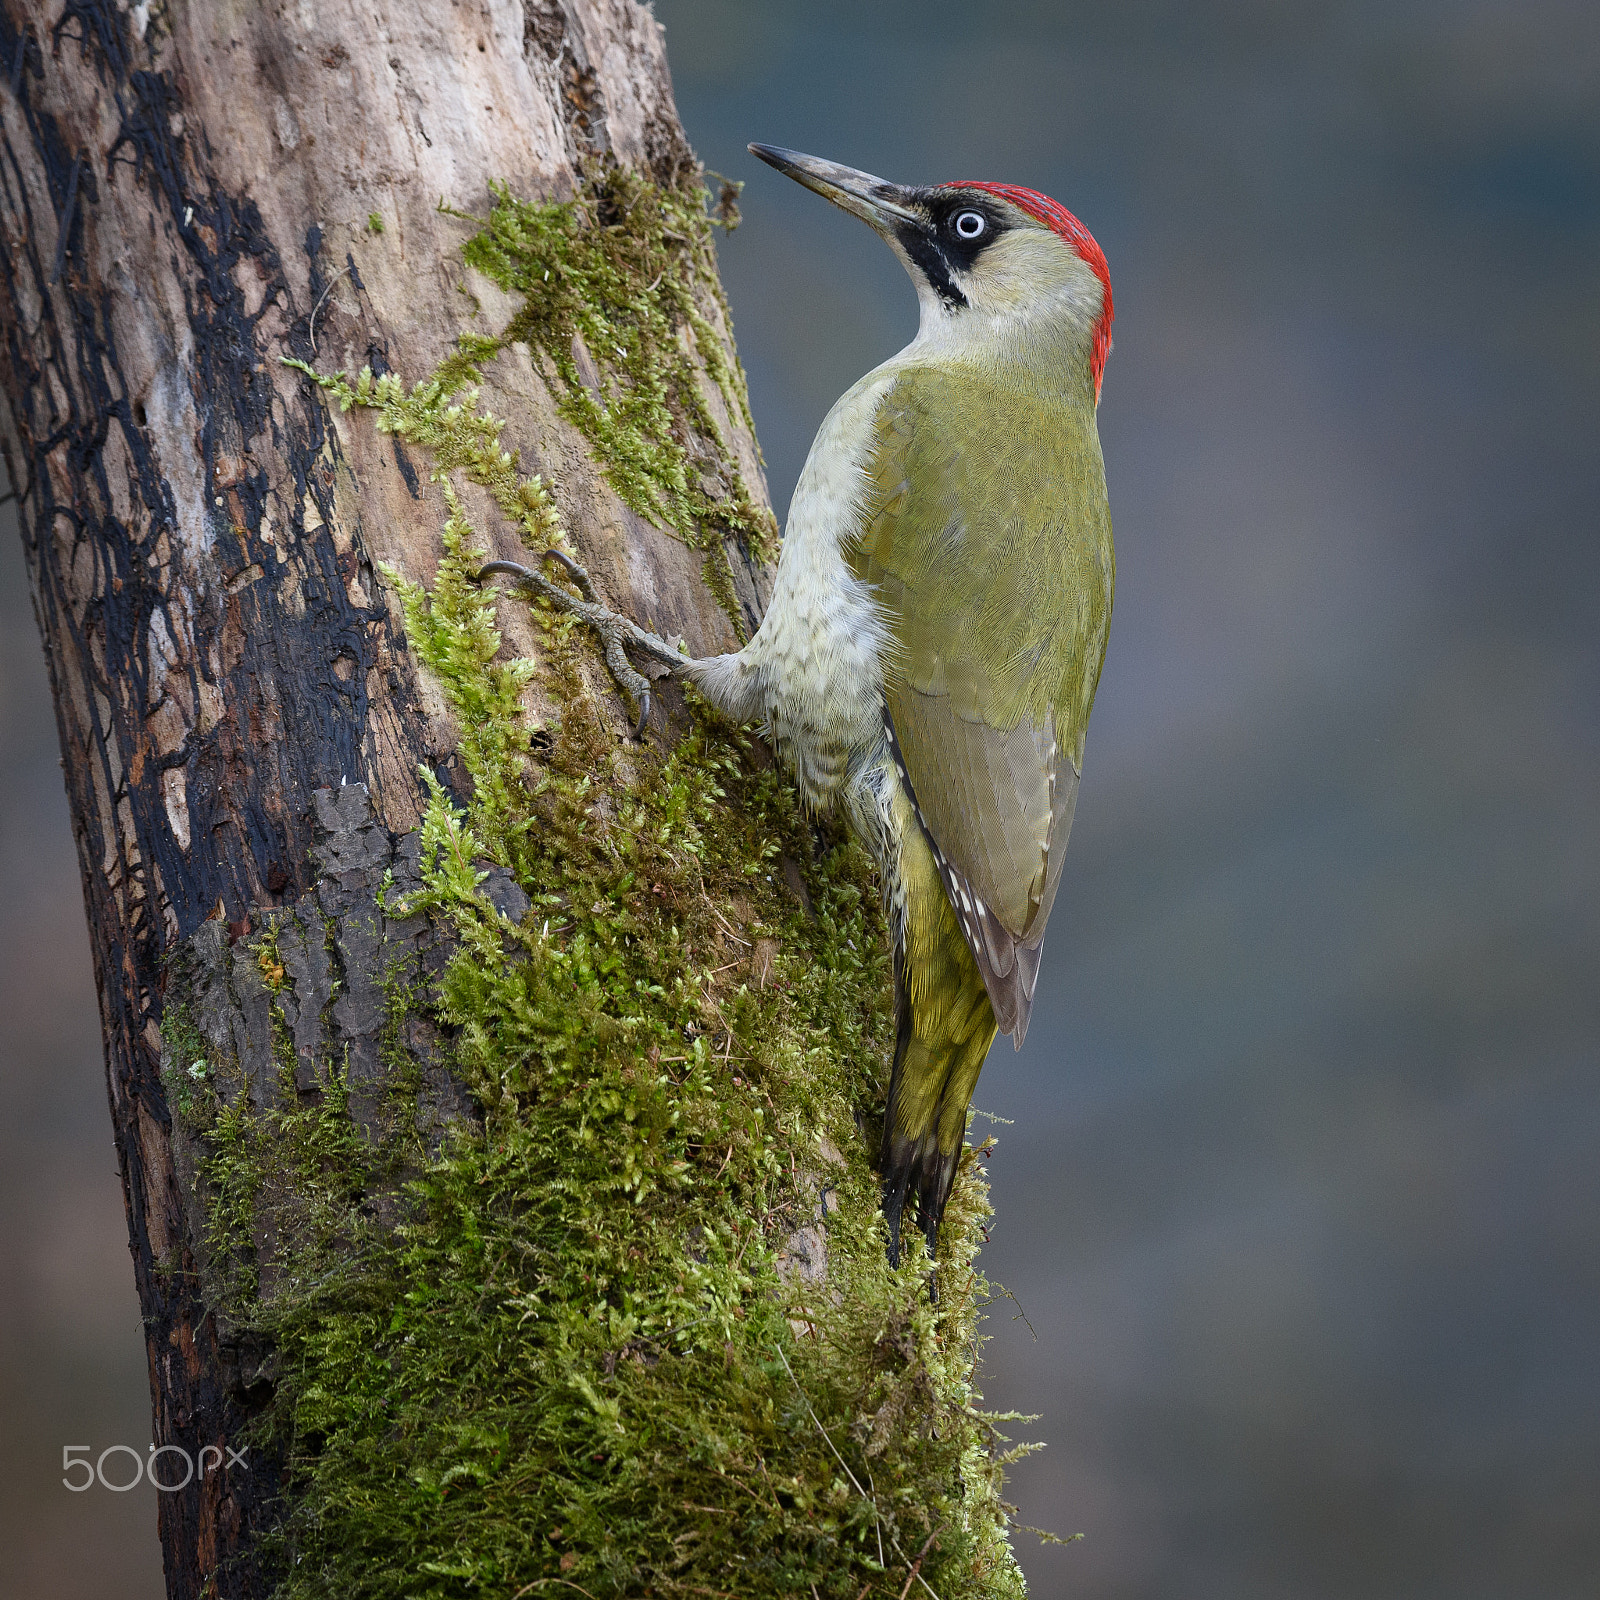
[(971, 224)]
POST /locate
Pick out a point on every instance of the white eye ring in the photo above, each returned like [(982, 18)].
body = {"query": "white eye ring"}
[(970, 224)]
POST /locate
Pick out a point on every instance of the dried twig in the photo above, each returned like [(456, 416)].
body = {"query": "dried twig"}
[(916, 1566), (726, 926), (871, 1500), (539, 1583), (312, 331), (823, 1431)]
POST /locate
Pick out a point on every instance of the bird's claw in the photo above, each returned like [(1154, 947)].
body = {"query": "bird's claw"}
[(613, 628), (635, 683)]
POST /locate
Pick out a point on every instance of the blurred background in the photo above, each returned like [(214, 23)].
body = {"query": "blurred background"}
[(1301, 1195)]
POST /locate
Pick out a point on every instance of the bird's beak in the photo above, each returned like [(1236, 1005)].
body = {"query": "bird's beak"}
[(883, 206)]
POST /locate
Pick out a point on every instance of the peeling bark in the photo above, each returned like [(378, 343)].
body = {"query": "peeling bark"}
[(185, 194)]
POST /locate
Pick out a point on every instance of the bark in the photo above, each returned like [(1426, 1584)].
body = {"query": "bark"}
[(185, 197)]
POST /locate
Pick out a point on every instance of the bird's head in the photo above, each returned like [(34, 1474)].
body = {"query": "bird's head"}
[(988, 259)]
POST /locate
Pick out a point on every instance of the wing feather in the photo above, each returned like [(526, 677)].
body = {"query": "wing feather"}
[(993, 563)]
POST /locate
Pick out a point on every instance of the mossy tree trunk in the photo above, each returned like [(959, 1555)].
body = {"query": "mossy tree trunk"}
[(389, 922)]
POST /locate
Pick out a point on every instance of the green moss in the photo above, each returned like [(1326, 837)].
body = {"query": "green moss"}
[(585, 1357), (190, 1071), (374, 222), (622, 272)]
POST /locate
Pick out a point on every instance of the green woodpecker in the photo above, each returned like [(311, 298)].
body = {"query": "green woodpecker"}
[(938, 623)]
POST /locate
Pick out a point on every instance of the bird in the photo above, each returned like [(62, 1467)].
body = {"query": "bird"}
[(929, 657)]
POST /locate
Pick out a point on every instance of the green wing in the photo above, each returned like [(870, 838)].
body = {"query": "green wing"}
[(987, 538)]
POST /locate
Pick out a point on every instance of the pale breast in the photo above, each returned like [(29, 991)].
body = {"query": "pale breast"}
[(820, 649)]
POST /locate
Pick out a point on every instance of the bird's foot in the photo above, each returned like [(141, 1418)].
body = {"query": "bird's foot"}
[(614, 629)]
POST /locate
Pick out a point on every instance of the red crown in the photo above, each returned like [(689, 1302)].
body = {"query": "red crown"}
[(1056, 217)]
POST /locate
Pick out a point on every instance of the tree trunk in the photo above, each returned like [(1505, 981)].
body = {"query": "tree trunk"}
[(190, 194)]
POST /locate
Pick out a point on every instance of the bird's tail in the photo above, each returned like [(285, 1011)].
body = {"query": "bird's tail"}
[(945, 1025)]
